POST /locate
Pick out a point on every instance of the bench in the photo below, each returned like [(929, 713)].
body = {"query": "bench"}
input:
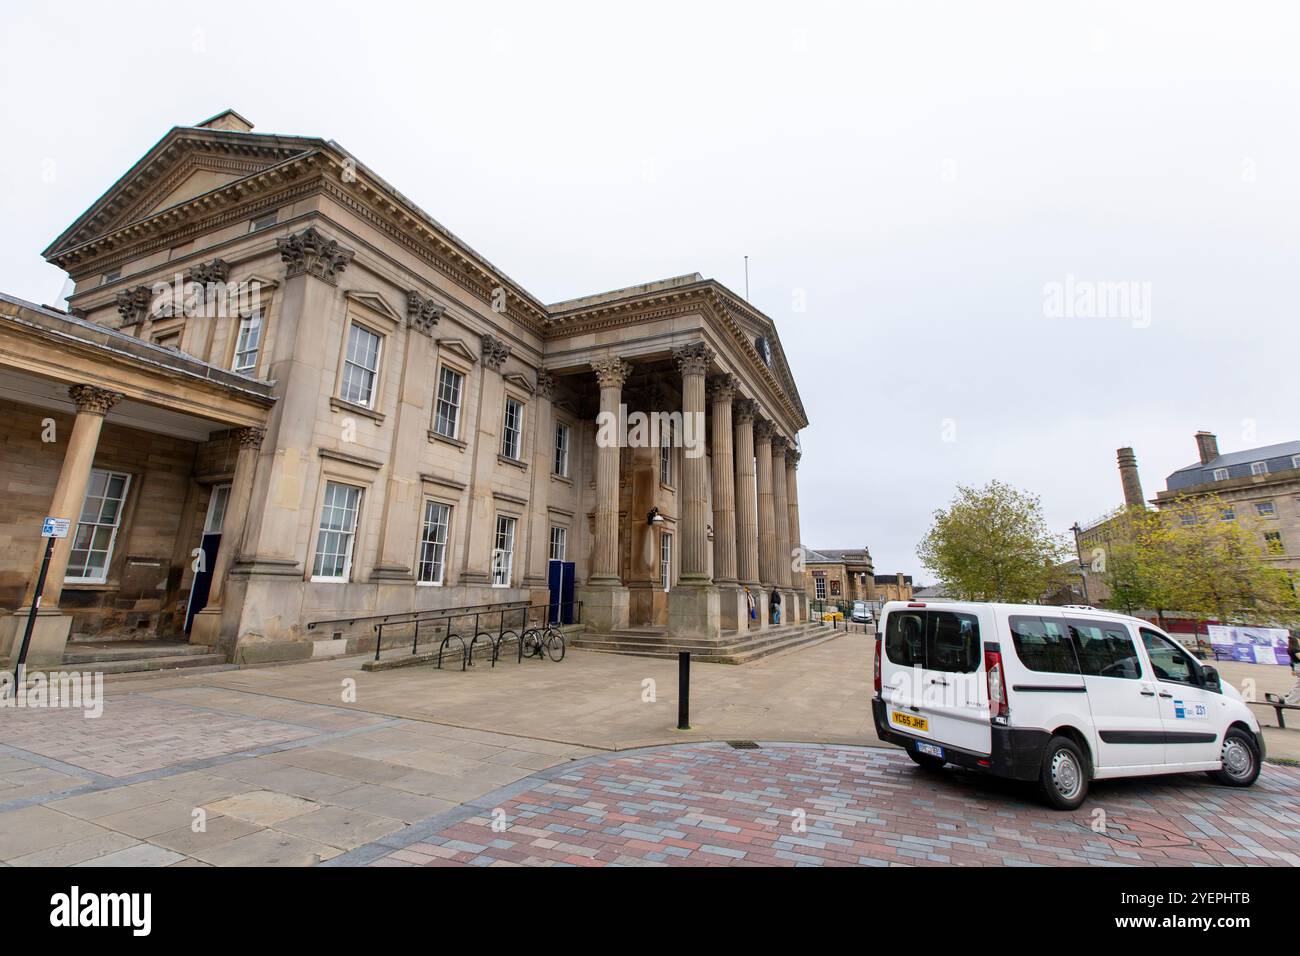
[(1279, 705)]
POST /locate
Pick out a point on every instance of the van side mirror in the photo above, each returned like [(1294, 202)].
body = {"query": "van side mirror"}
[(1211, 678)]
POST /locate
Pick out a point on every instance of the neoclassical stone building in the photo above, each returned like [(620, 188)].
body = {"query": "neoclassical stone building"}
[(283, 393)]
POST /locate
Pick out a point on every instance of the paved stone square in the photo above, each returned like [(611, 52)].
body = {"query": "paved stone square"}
[(282, 766), (808, 805)]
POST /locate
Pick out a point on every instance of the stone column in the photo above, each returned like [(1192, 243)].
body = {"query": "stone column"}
[(480, 537), (796, 540), (50, 634), (694, 605), (693, 361), (767, 543), (734, 609), (747, 564), (206, 627), (781, 513), (604, 598)]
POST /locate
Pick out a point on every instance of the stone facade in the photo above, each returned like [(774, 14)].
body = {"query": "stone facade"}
[(393, 424), (840, 576)]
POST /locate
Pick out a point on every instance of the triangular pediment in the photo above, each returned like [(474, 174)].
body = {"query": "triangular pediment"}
[(186, 163), (519, 381), (375, 302), (458, 347)]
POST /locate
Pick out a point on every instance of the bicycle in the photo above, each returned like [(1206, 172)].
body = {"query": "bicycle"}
[(542, 642)]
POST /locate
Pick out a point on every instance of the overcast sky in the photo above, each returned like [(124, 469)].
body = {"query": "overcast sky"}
[(917, 175)]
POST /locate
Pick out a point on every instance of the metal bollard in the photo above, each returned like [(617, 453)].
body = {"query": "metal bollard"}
[(683, 690)]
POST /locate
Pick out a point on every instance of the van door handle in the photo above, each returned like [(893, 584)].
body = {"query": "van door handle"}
[(938, 680), (1148, 693), (1166, 695)]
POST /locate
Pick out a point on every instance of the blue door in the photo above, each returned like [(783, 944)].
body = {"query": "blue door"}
[(560, 581)]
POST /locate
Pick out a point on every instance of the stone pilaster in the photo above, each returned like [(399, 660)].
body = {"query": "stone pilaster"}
[(542, 466), (693, 362), (796, 539), (206, 627)]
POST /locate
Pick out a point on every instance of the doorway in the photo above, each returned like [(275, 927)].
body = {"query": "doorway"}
[(205, 557)]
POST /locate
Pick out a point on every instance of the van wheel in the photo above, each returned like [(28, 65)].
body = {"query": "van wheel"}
[(1064, 777), (1240, 760), (925, 761)]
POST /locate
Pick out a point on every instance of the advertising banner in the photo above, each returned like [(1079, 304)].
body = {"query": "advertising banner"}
[(1251, 645)]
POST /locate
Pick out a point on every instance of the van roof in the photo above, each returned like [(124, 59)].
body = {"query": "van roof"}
[(1097, 613)]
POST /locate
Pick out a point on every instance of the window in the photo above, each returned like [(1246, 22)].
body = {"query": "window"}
[(337, 533), (169, 340), (112, 276), (512, 430), (937, 640), (559, 543), (1105, 649), (217, 505), (1220, 474), (1266, 509), (1295, 461), (433, 543), (101, 516), (360, 367), (248, 343), (446, 416), (1259, 468), (666, 455), (1273, 542), (1171, 663), (1044, 645), (263, 222), (952, 643), (666, 560), (561, 466), (820, 584), (1187, 519), (503, 554), (1228, 514)]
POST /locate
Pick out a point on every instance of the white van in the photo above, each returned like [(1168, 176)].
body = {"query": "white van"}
[(1057, 695)]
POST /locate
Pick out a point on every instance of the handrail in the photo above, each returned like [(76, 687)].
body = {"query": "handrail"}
[(448, 616), (440, 611)]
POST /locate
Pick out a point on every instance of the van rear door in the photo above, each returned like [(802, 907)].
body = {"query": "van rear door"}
[(932, 676)]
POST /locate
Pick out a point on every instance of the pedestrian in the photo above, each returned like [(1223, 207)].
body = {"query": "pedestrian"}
[(1293, 652), (776, 606)]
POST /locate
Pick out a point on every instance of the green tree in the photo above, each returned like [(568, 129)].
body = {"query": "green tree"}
[(1126, 557), (993, 544)]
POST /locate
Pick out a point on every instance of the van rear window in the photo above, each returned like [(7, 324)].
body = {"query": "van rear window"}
[(935, 640)]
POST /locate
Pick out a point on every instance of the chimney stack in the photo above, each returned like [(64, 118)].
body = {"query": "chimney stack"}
[(1208, 446), (1128, 476)]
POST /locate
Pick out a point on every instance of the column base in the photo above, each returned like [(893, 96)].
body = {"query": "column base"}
[(695, 613), (734, 607), (49, 637), (604, 607)]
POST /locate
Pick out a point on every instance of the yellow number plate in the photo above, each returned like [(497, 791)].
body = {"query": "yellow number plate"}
[(908, 720)]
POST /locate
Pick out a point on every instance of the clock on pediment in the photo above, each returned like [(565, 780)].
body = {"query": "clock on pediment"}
[(764, 350)]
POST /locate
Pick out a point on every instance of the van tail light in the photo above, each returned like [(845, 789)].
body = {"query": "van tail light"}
[(999, 703), (877, 675)]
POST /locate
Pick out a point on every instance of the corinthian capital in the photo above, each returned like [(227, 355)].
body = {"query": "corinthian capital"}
[(722, 388), (93, 401), (133, 304), (744, 411), (763, 430), (611, 372), (251, 437), (693, 359), (495, 352), (310, 252), (422, 313), (545, 384)]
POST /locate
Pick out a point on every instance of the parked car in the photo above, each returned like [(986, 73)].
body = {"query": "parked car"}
[(861, 613), (1060, 696)]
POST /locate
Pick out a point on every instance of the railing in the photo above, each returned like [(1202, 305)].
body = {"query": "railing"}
[(452, 621)]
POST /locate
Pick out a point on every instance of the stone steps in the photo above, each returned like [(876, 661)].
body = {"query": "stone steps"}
[(733, 648), (105, 653), (143, 664)]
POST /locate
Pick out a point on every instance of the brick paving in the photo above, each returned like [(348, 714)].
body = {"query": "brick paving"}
[(805, 805), (135, 735)]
